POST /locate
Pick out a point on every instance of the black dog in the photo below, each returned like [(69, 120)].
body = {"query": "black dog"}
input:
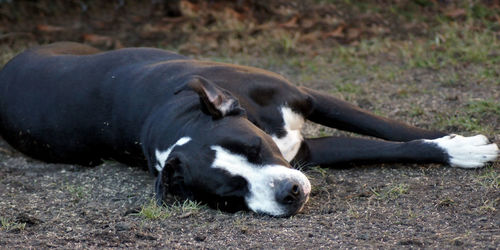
[(215, 132)]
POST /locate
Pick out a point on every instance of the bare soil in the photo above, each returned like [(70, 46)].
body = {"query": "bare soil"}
[(377, 206)]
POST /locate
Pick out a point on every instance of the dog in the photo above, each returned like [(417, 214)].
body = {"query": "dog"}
[(219, 133)]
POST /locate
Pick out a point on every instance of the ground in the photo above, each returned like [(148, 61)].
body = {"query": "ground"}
[(437, 69)]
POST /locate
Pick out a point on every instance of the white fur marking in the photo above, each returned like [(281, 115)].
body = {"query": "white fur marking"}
[(162, 156), (225, 106), (261, 179), (290, 143), (467, 152)]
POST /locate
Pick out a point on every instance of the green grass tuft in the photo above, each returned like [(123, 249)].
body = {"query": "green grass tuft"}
[(470, 117), (10, 225), (78, 192), (152, 211), (489, 106), (489, 178), (391, 192)]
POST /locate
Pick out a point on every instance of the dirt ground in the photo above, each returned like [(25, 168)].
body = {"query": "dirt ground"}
[(432, 65)]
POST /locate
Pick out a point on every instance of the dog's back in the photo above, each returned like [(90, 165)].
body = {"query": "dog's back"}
[(59, 91)]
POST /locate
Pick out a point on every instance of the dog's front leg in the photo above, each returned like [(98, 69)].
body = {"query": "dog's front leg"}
[(458, 151), (335, 113)]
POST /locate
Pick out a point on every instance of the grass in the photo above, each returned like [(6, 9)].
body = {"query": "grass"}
[(460, 122), (322, 171), (10, 225), (489, 178), (453, 44), (416, 111), (489, 206), (352, 211), (77, 192), (391, 192), (349, 88), (152, 211), (471, 117), (489, 106), (445, 202), (450, 79)]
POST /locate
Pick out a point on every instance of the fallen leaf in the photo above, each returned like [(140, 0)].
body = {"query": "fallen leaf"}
[(232, 14), (188, 9), (337, 33), (49, 28), (98, 39), (309, 37), (290, 23), (454, 13), (148, 29)]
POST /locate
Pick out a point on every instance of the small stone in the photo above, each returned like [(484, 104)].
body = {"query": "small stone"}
[(122, 226), (200, 238)]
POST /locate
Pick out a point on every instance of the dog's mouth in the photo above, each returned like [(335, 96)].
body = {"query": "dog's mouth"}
[(279, 191)]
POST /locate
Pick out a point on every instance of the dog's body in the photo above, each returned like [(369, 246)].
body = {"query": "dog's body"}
[(216, 132)]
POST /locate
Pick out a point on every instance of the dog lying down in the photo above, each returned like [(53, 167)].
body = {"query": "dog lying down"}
[(219, 133)]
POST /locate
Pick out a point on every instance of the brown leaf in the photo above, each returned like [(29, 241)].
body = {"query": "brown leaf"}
[(337, 33), (99, 24), (353, 33), (290, 23), (49, 28), (309, 37), (149, 28), (189, 9), (98, 39), (232, 14), (454, 13)]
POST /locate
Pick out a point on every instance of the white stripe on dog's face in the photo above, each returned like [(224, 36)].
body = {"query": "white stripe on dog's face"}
[(162, 156), (290, 143), (261, 180)]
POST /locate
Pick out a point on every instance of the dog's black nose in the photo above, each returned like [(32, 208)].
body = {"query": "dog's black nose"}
[(289, 193)]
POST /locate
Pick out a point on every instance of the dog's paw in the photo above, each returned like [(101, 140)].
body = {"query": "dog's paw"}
[(467, 152)]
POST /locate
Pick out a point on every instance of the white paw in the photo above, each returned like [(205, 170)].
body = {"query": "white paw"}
[(467, 152)]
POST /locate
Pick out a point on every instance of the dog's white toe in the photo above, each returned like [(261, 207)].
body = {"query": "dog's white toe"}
[(467, 152)]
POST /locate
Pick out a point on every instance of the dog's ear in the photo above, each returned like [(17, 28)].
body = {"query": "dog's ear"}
[(217, 101), (171, 180)]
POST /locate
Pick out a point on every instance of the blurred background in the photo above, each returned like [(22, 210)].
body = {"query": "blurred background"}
[(252, 26)]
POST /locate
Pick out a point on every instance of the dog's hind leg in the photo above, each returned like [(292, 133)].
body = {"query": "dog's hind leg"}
[(457, 151), (335, 113)]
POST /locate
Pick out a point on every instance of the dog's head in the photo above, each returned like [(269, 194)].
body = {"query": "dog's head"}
[(230, 163)]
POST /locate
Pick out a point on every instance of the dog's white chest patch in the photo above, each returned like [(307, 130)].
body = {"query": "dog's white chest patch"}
[(290, 143)]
